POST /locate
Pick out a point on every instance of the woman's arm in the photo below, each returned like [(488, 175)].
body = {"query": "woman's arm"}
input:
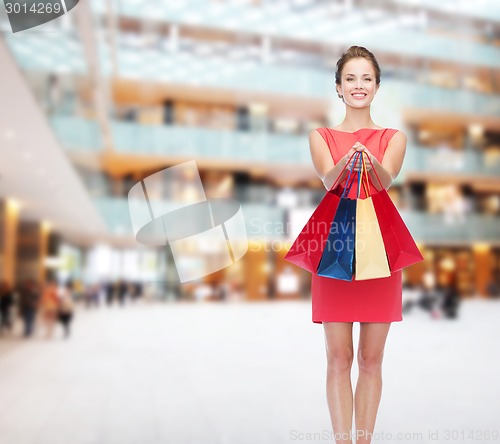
[(392, 161), (323, 163)]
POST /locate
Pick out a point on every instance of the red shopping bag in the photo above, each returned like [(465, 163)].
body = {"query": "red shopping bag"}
[(307, 249), (399, 244)]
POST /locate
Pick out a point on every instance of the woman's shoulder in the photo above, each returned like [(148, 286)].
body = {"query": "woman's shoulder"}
[(320, 130), (394, 130), (320, 133), (394, 134)]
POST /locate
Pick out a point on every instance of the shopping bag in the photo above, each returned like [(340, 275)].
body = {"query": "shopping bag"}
[(369, 251), (400, 247), (307, 249), (338, 252)]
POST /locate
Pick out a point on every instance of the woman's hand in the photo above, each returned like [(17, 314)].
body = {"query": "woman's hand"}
[(357, 165)]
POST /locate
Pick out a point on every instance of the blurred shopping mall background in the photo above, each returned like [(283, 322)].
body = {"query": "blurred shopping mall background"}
[(117, 90)]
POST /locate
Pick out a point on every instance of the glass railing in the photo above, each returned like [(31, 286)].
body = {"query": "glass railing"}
[(246, 75), (57, 52), (438, 228), (268, 222), (209, 143), (248, 147), (222, 72), (488, 10), (60, 51), (77, 133), (314, 25), (440, 160), (454, 101), (261, 221), (309, 82)]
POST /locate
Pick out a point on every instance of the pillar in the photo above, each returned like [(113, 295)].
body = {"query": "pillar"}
[(9, 221), (256, 270), (483, 266), (32, 248)]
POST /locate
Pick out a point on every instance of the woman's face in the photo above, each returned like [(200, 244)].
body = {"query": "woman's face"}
[(358, 83)]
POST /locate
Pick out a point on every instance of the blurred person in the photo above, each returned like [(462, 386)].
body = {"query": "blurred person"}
[(429, 297), (374, 303), (434, 301), (91, 295), (77, 289), (110, 292), (425, 298), (410, 297), (29, 298), (429, 280), (224, 290), (217, 291), (455, 206), (54, 94), (202, 291), (430, 294), (494, 288), (234, 291), (49, 305), (96, 294), (137, 289), (6, 302), (149, 292), (446, 298), (450, 300), (66, 308), (122, 291)]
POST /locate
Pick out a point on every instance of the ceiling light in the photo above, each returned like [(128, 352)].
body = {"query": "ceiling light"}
[(46, 225), (13, 204), (476, 130)]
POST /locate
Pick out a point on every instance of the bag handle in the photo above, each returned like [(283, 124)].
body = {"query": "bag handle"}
[(343, 169), (362, 173), (366, 183), (373, 168), (347, 189)]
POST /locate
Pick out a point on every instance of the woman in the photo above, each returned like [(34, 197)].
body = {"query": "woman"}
[(66, 308), (374, 303), (29, 299), (49, 306)]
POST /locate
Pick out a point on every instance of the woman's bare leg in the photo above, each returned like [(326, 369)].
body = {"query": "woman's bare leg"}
[(369, 386), (340, 354)]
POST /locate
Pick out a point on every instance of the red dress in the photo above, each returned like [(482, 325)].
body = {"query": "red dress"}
[(371, 300)]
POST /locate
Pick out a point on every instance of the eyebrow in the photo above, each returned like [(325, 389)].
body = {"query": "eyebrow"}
[(350, 74)]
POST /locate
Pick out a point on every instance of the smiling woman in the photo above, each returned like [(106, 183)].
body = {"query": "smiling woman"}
[(375, 303), (368, 83)]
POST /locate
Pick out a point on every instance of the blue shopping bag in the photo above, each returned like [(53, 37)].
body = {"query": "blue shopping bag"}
[(338, 252)]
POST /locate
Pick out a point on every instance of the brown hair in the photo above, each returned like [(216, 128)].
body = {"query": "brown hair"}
[(352, 53)]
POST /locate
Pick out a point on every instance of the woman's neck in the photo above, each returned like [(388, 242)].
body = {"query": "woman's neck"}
[(357, 118)]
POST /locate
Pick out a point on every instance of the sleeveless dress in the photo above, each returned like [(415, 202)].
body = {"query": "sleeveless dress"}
[(371, 300)]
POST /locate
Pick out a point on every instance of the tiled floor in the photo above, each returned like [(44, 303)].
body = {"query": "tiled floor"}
[(241, 373)]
